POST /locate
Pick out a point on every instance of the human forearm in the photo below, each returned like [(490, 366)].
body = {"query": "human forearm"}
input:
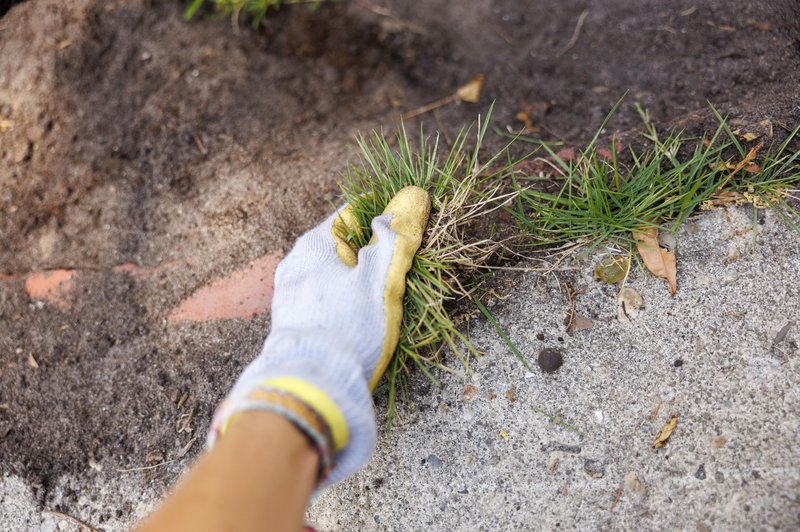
[(258, 477)]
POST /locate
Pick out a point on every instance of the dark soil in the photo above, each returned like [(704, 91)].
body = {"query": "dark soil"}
[(139, 137)]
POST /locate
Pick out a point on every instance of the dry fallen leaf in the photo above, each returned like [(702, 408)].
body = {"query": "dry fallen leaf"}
[(471, 92), (718, 442), (468, 392), (612, 268), (32, 361), (511, 395), (744, 162), (665, 433), (661, 262), (503, 434), (629, 302), (726, 198), (6, 124), (523, 117)]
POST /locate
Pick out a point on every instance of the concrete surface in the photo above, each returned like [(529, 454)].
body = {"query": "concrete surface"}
[(491, 461)]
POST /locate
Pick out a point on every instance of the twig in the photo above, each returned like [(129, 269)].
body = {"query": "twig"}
[(199, 143), (617, 496), (235, 20), (147, 468), (505, 36), (571, 299), (575, 34), (82, 524), (388, 13), (430, 107)]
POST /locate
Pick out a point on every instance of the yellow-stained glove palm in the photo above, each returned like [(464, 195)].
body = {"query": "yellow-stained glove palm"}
[(336, 316)]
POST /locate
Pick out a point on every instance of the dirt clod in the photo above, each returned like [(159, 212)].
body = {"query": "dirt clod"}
[(550, 359)]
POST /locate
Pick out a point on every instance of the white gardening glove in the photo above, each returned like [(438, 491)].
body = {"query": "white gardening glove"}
[(336, 319)]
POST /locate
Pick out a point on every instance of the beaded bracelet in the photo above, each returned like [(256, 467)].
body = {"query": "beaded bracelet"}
[(301, 414)]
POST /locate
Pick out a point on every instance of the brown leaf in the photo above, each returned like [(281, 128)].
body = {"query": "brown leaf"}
[(744, 162), (665, 433), (752, 168), (468, 392), (511, 395), (661, 262), (757, 24), (471, 92), (629, 303), (523, 117)]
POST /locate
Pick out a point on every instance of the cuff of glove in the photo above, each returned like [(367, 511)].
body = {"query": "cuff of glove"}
[(323, 365), (305, 405)]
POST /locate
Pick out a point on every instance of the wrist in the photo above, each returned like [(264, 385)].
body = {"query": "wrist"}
[(269, 397), (330, 382)]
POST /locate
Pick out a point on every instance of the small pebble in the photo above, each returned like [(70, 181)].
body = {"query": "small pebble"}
[(550, 359), (678, 362), (594, 468), (667, 240), (700, 474), (434, 461)]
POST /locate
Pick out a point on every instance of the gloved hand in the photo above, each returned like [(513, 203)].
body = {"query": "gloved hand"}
[(336, 315)]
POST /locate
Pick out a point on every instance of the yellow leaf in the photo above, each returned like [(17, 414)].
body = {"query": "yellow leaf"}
[(661, 262), (665, 432), (471, 92)]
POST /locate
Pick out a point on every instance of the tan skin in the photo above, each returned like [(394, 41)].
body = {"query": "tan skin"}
[(269, 490)]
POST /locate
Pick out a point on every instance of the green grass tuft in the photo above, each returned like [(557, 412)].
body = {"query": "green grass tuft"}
[(595, 199), (257, 9)]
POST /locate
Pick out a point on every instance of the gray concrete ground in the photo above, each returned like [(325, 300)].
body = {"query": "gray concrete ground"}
[(478, 454)]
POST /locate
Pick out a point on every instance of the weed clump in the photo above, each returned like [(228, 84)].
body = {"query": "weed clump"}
[(463, 190), (595, 199)]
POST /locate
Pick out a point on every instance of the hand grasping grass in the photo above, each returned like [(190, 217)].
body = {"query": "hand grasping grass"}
[(463, 190)]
